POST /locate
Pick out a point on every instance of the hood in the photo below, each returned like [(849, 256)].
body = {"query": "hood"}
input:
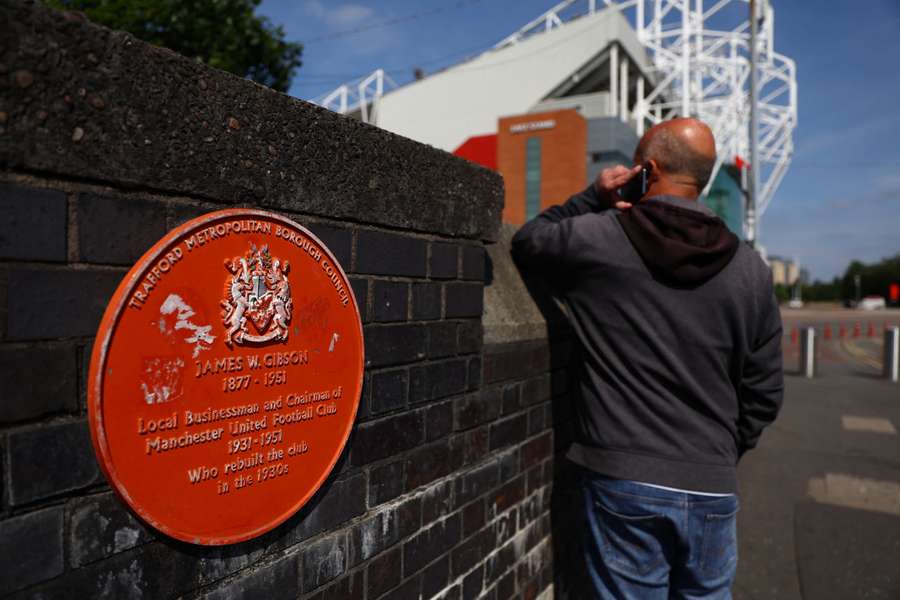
[(681, 242)]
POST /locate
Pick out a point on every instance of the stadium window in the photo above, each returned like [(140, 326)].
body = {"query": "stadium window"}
[(532, 177)]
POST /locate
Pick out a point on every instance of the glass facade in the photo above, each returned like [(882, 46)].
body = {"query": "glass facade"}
[(532, 178), (726, 200)]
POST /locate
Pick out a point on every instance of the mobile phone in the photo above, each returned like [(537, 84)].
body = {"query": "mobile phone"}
[(636, 187)]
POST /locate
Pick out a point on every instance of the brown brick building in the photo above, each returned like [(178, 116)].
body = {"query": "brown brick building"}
[(541, 158)]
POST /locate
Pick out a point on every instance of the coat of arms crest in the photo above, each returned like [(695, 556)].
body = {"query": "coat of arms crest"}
[(257, 305)]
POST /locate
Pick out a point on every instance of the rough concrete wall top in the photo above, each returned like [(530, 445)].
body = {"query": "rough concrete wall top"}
[(515, 309), (80, 100)]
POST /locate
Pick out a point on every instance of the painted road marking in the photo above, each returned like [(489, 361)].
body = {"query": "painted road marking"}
[(858, 353), (868, 424), (856, 492)]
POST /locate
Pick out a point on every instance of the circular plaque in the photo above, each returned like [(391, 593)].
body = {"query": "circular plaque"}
[(225, 376)]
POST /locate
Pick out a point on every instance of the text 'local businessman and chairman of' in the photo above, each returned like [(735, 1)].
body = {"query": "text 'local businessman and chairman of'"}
[(679, 371)]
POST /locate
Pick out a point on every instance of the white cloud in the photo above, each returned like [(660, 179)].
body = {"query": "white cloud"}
[(339, 17), (841, 137)]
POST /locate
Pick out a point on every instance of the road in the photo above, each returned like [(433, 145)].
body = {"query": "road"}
[(820, 516)]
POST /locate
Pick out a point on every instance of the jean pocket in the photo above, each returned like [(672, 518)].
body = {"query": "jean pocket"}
[(719, 547), (630, 542)]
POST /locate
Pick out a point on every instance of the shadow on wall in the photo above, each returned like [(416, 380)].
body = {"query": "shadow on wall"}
[(566, 512), (540, 334)]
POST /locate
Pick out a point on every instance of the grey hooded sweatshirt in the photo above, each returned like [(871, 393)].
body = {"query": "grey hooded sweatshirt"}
[(679, 333)]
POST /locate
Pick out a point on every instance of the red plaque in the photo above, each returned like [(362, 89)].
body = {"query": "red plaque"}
[(225, 376)]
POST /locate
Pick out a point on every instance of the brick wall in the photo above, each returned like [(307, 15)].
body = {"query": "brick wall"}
[(445, 488)]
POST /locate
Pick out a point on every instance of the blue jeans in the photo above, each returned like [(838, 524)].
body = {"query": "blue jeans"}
[(645, 543)]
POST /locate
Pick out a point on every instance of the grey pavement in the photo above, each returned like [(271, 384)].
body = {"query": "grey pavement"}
[(820, 496)]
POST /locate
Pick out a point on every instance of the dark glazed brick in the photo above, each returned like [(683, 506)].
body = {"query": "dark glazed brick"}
[(332, 505), (361, 293), (536, 450), (453, 593), (389, 389), (474, 374), (473, 258), (473, 583), (322, 561), (472, 551), (434, 577), (31, 549), (536, 420), (36, 381), (473, 517), (438, 421), (373, 536), (470, 337), (35, 311), (338, 240), (509, 431), (32, 224), (431, 462), (390, 300), (474, 409), (408, 590), (437, 501), (282, 575), (509, 464), (536, 389), (444, 261), (430, 544), (388, 436), (476, 445), (510, 399), (182, 213), (101, 526), (437, 380), (61, 454), (508, 495), (384, 572), (385, 483), (506, 526), (117, 230), (464, 300), (380, 253), (410, 515), (426, 302), (506, 587), (476, 482), (349, 586), (394, 344), (441, 339)]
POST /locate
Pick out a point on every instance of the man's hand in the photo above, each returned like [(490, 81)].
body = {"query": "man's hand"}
[(610, 180)]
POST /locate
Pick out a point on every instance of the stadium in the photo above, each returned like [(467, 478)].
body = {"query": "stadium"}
[(572, 91)]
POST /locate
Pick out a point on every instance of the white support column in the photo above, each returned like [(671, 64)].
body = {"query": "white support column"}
[(892, 354), (613, 79), (639, 108), (623, 88), (685, 59)]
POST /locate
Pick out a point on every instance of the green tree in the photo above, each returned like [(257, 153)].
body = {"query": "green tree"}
[(225, 34)]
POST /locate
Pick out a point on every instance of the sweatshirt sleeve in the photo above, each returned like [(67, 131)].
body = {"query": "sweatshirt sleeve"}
[(544, 240), (762, 381)]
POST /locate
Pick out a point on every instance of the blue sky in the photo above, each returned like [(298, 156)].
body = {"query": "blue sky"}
[(840, 199)]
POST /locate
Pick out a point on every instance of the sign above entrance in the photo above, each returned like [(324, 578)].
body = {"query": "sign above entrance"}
[(226, 376), (532, 126)]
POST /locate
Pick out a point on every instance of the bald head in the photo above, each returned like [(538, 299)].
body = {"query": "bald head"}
[(682, 148)]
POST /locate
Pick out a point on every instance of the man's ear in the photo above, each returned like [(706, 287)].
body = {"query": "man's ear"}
[(654, 172)]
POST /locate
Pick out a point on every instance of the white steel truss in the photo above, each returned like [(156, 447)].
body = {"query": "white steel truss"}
[(700, 53), (363, 95)]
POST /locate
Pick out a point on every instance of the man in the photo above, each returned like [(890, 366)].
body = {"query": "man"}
[(680, 337)]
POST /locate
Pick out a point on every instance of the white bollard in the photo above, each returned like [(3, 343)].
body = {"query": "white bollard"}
[(808, 356), (892, 354)]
